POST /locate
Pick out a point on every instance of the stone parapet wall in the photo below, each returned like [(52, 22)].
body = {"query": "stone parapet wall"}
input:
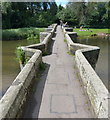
[(93, 85), (43, 46), (43, 35), (86, 58), (13, 100), (11, 104)]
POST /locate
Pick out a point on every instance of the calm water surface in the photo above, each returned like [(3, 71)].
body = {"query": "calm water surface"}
[(102, 64), (10, 66)]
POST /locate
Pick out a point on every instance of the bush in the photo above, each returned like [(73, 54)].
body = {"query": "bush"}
[(20, 54), (20, 33), (33, 39)]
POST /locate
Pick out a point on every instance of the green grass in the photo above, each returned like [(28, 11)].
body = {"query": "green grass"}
[(65, 40), (42, 66), (70, 53), (90, 32), (20, 55), (21, 33), (45, 53)]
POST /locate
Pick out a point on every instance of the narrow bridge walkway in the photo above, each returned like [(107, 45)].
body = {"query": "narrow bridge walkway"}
[(63, 95)]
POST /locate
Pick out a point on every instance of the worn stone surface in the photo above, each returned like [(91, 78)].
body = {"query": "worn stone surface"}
[(48, 29), (15, 96), (63, 95), (86, 57), (93, 85), (13, 100), (43, 35)]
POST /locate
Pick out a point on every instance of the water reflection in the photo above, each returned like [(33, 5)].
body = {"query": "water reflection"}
[(102, 64)]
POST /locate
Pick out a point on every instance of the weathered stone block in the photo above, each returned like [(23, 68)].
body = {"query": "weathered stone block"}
[(43, 35), (86, 57)]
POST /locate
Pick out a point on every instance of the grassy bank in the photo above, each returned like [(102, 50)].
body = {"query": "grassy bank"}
[(90, 32), (21, 33)]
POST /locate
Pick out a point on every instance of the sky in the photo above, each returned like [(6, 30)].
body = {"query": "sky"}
[(62, 2)]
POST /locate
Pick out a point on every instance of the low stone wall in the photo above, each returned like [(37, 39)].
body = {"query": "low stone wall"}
[(86, 57), (11, 104), (43, 35), (43, 46), (45, 38), (95, 89), (67, 29)]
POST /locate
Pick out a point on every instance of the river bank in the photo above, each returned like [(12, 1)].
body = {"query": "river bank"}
[(21, 33), (13, 38), (92, 32)]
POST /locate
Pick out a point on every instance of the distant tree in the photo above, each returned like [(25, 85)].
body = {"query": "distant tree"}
[(93, 14), (45, 6), (32, 14), (6, 14), (28, 14), (79, 10), (106, 15), (60, 7)]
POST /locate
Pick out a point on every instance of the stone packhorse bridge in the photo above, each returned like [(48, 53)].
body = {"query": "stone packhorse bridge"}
[(71, 88)]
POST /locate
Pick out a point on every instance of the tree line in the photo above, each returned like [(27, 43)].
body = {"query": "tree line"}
[(26, 14), (88, 14), (42, 14)]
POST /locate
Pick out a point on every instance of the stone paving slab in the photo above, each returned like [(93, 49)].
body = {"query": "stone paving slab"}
[(63, 96)]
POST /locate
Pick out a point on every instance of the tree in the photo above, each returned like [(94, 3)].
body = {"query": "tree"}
[(28, 14), (93, 14), (6, 8)]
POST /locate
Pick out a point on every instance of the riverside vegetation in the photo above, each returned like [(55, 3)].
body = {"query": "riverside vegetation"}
[(20, 54), (91, 31), (31, 34), (21, 33), (42, 14)]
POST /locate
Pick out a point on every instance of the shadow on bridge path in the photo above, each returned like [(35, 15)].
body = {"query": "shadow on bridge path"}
[(58, 92)]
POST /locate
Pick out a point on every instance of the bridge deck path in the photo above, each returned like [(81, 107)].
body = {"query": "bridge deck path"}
[(63, 95)]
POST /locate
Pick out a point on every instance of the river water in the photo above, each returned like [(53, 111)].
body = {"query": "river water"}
[(102, 63), (10, 66)]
